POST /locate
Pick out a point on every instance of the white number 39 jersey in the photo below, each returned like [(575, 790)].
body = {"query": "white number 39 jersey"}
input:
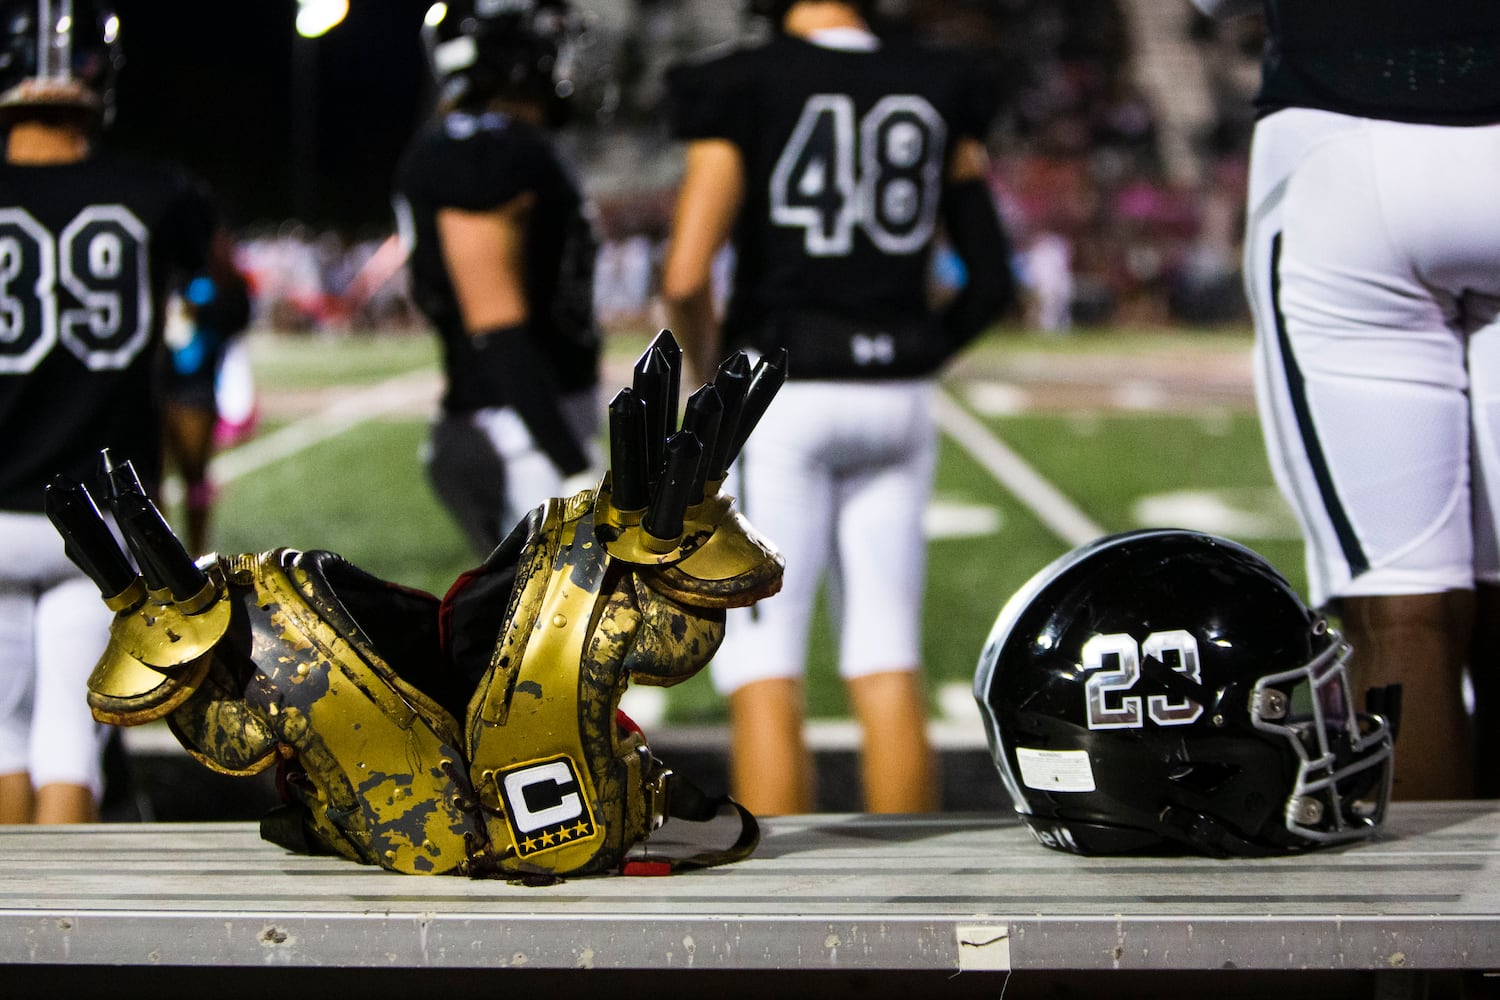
[(98, 261), (86, 252)]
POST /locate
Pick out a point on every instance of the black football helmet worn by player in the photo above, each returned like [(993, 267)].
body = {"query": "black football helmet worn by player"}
[(61, 54), (1163, 690), (523, 49)]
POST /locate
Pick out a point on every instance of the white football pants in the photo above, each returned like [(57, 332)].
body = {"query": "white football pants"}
[(1372, 262)]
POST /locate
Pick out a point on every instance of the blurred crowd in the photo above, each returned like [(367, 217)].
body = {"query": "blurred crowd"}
[(1104, 232)]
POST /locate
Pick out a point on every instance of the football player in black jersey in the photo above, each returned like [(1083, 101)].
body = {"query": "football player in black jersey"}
[(89, 244), (502, 250), (831, 159), (1370, 260)]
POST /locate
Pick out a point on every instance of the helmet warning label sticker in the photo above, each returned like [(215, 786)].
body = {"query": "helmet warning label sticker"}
[(545, 805), (1056, 770)]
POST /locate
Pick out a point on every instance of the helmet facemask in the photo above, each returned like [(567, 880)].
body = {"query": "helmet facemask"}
[(1344, 776)]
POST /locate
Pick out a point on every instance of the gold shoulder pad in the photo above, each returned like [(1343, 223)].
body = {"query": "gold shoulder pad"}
[(373, 762), (158, 651), (349, 683)]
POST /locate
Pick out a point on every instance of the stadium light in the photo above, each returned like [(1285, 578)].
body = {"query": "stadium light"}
[(317, 17)]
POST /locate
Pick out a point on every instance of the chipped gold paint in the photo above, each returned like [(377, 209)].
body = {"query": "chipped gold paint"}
[(554, 693), (167, 635), (157, 653), (383, 774)]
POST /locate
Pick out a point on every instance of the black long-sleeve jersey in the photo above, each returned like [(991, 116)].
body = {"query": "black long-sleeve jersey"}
[(845, 152), (87, 251)]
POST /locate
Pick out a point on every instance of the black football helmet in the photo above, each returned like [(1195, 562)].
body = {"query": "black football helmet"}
[(59, 54), (1163, 690), (524, 49)]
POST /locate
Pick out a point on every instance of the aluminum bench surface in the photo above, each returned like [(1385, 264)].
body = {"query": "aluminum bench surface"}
[(825, 891)]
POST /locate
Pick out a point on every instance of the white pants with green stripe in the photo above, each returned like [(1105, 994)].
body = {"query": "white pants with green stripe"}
[(1372, 262)]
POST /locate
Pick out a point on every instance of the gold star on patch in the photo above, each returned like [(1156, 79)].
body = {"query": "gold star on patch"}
[(529, 844), (546, 839), (581, 829)]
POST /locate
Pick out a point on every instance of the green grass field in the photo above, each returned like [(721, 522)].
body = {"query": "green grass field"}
[(1134, 429)]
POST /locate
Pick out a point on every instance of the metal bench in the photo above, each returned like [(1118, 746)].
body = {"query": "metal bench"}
[(851, 904)]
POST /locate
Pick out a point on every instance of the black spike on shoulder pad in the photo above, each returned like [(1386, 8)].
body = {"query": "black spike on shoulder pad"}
[(765, 382), (671, 351), (157, 550), (628, 451), (731, 381), (116, 478), (652, 383), (673, 491), (86, 538), (702, 418)]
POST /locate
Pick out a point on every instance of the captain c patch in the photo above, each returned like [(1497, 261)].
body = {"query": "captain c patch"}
[(545, 805)]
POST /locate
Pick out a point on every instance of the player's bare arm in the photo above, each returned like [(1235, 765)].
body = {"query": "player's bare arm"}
[(713, 186), (483, 252)]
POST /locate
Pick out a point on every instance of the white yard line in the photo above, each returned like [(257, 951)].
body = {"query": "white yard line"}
[(409, 390), (401, 392), (959, 725), (1012, 472)]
